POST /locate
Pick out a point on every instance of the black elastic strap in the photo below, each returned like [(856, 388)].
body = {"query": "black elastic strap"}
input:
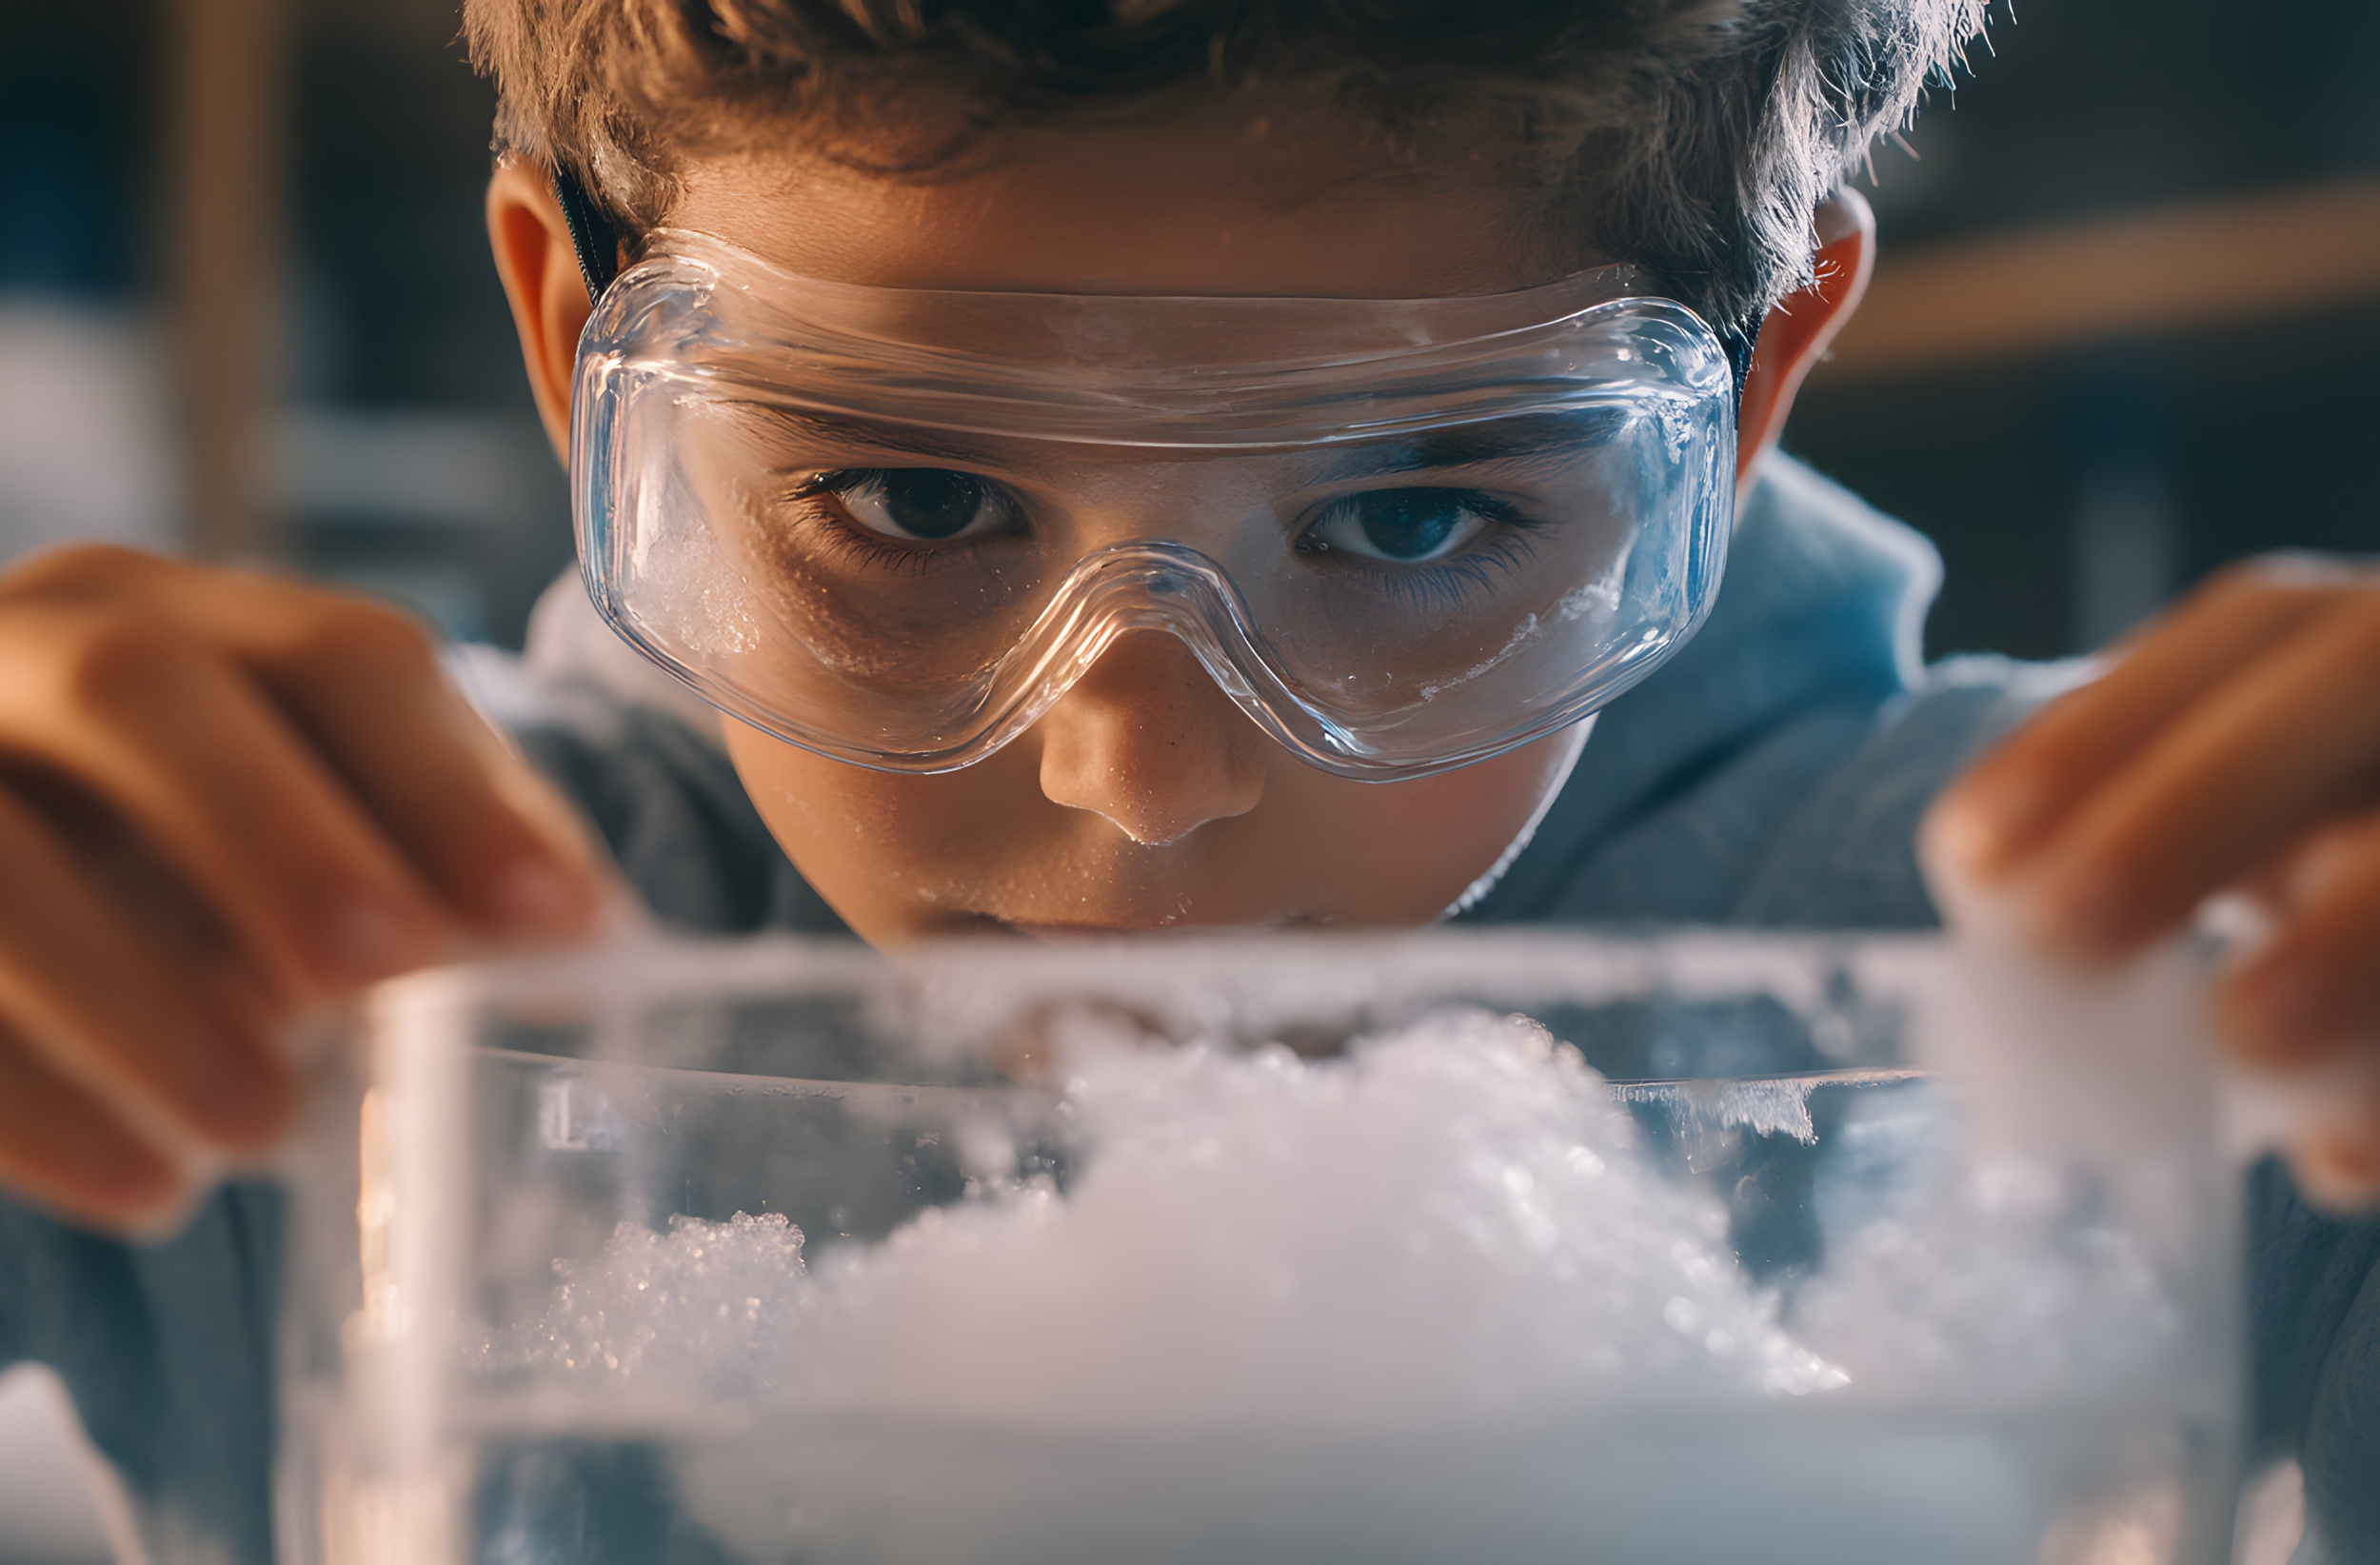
[(591, 235), (1739, 342)]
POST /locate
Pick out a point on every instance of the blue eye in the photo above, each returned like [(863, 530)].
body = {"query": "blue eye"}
[(1403, 526), (925, 504)]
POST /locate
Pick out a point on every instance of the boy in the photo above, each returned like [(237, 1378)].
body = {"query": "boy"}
[(234, 797)]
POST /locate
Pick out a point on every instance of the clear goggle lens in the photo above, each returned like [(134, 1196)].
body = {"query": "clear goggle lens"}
[(894, 526)]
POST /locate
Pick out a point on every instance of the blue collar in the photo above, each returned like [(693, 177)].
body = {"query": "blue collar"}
[(1822, 609)]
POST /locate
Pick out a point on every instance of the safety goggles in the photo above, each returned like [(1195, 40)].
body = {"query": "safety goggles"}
[(895, 525)]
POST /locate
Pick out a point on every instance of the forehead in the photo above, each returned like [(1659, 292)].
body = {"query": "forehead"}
[(1229, 197)]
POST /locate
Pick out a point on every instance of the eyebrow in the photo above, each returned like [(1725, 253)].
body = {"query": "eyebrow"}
[(863, 437), (1469, 445), (1515, 439)]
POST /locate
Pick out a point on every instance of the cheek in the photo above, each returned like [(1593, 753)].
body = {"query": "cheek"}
[(877, 846), (1401, 853), (903, 857)]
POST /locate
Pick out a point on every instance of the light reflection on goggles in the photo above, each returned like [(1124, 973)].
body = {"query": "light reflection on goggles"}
[(894, 525)]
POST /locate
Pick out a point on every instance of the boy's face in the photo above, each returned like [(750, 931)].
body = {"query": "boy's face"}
[(1144, 798)]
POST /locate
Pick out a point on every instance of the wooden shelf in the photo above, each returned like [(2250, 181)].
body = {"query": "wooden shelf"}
[(2020, 295)]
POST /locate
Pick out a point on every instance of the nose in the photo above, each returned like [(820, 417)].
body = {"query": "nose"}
[(1146, 740)]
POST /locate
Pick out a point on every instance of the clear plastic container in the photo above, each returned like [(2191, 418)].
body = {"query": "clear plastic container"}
[(634, 1256)]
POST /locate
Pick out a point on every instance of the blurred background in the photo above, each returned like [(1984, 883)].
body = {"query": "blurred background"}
[(245, 304), (2122, 330), (2126, 308)]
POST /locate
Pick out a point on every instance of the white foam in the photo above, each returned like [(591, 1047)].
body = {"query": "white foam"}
[(698, 1308), (1433, 1298), (1452, 1224), (1990, 1295)]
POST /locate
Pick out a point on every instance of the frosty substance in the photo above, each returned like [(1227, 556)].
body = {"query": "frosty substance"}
[(740, 1255), (1453, 1223), (1448, 1259)]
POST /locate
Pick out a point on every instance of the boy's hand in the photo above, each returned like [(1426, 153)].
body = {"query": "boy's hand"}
[(2234, 745), (225, 798)]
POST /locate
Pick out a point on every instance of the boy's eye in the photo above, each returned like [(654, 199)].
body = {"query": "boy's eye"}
[(1408, 526), (926, 504)]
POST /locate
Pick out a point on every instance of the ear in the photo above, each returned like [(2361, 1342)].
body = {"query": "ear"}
[(541, 277), (1796, 334)]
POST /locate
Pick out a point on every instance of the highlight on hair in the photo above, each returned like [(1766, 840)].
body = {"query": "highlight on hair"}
[(1695, 137)]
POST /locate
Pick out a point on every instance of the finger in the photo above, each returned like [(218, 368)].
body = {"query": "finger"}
[(2313, 991), (124, 869), (2340, 1169), (110, 1010), (2205, 803), (371, 695), (363, 682), (209, 771), (59, 1147), (2018, 795)]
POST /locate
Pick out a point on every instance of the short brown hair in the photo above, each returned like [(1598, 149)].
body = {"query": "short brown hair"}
[(1692, 136)]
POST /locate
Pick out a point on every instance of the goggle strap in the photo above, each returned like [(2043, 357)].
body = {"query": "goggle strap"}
[(1739, 341), (591, 234), (598, 246)]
